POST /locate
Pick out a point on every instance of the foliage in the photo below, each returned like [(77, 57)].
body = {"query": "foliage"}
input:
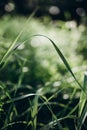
[(82, 44), (57, 9), (36, 90)]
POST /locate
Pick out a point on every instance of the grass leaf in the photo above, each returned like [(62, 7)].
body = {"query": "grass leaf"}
[(63, 59), (34, 112), (12, 45), (55, 122), (83, 104)]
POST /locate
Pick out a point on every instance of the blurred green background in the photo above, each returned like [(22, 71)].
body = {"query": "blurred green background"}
[(34, 66)]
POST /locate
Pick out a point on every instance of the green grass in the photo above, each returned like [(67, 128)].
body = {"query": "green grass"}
[(39, 89)]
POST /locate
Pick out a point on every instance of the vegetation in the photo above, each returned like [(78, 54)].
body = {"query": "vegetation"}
[(57, 9), (39, 89)]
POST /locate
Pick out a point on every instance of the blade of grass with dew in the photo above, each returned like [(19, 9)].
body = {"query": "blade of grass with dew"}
[(83, 104), (63, 59), (15, 41)]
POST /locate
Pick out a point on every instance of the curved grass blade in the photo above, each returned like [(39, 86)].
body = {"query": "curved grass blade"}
[(20, 98), (63, 59)]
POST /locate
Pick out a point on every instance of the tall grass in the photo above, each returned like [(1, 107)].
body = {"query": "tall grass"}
[(40, 99)]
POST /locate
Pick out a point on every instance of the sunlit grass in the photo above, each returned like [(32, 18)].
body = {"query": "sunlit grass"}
[(37, 90)]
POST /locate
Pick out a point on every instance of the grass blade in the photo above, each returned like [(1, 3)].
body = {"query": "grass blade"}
[(83, 104), (63, 59), (20, 98), (11, 47), (83, 97), (34, 112), (55, 122)]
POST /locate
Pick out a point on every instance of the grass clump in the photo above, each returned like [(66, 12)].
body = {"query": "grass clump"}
[(37, 91)]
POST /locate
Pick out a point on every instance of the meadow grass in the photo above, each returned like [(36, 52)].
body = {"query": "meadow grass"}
[(36, 99)]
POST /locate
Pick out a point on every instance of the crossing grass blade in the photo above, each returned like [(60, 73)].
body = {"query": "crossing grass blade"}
[(82, 105), (12, 45), (55, 122)]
